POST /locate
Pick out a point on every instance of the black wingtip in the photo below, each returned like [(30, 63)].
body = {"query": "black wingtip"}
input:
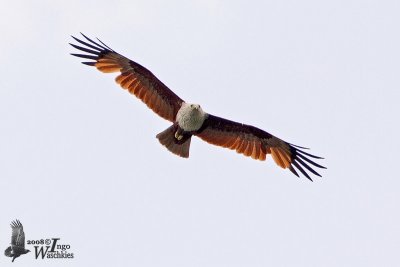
[(293, 171), (308, 154), (97, 44), (104, 44), (310, 161), (301, 147), (89, 63), (83, 35), (303, 162), (85, 56), (297, 165)]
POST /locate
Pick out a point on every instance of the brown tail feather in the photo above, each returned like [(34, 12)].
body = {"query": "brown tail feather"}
[(167, 139)]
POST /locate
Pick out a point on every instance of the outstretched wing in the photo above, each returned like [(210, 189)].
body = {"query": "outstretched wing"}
[(256, 143), (18, 235), (135, 78)]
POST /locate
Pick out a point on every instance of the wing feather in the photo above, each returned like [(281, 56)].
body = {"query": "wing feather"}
[(133, 77), (17, 235), (256, 143)]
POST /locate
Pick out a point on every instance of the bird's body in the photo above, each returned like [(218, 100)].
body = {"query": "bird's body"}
[(190, 119), (17, 247)]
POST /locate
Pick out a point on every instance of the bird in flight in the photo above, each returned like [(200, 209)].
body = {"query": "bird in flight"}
[(17, 247), (189, 119)]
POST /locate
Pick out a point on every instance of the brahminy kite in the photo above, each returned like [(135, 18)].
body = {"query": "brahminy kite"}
[(190, 119)]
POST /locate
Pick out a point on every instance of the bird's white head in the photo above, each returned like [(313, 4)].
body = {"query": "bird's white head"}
[(195, 107), (191, 116)]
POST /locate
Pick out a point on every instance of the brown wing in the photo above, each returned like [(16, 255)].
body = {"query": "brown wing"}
[(256, 143), (135, 78)]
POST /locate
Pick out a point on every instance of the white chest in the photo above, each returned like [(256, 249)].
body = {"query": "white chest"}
[(190, 117)]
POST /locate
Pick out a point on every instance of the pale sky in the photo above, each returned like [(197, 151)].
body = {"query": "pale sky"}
[(79, 159)]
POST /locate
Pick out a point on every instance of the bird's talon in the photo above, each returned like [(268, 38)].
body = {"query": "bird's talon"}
[(177, 136)]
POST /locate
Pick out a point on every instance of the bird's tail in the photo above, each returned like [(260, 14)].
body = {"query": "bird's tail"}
[(178, 147), (8, 252)]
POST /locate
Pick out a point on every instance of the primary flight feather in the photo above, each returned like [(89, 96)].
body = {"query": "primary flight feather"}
[(190, 119)]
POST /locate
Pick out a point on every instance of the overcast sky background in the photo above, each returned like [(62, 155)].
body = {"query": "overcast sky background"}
[(79, 159)]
